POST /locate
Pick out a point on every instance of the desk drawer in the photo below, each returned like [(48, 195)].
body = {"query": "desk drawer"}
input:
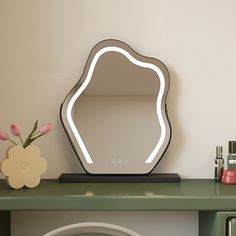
[(217, 223)]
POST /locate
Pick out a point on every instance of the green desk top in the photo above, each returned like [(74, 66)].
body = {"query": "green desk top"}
[(187, 195)]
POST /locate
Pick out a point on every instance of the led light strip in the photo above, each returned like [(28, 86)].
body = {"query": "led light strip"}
[(85, 84)]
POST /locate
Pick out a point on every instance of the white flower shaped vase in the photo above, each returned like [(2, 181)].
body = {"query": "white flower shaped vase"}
[(23, 166)]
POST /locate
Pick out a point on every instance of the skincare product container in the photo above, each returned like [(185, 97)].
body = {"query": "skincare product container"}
[(219, 163), (231, 158), (229, 175)]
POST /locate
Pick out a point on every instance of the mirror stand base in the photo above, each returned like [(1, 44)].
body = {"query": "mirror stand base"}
[(150, 178)]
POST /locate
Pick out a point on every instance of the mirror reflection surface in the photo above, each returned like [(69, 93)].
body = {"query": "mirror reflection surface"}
[(116, 115)]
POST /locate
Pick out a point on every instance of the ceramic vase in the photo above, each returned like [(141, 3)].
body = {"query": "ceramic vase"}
[(23, 166)]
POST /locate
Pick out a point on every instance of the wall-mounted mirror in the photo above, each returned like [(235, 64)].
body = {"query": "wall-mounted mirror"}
[(115, 116)]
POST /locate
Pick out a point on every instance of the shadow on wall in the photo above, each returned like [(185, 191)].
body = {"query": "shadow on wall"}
[(67, 152), (170, 158)]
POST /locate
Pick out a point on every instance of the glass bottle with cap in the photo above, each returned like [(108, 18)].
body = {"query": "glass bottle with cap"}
[(231, 158), (219, 163)]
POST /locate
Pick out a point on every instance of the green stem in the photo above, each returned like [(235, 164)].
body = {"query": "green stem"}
[(21, 141), (35, 133), (31, 139), (12, 141), (27, 141), (38, 136)]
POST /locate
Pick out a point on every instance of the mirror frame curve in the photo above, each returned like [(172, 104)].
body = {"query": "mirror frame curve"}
[(161, 107)]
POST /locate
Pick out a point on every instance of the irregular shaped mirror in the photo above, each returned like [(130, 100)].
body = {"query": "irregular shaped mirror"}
[(115, 116)]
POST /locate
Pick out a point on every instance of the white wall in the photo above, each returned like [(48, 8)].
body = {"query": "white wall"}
[(44, 45)]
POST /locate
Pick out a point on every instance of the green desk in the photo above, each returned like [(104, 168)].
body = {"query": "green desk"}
[(210, 198)]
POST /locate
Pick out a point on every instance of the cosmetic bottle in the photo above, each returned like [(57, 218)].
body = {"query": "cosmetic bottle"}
[(219, 163), (231, 158)]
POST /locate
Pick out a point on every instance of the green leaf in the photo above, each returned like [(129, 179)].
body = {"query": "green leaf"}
[(27, 141), (32, 139), (34, 127)]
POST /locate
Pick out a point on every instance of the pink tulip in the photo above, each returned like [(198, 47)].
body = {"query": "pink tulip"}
[(15, 130), (4, 136), (44, 129)]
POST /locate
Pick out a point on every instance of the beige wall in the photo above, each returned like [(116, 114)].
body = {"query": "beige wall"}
[(44, 45)]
